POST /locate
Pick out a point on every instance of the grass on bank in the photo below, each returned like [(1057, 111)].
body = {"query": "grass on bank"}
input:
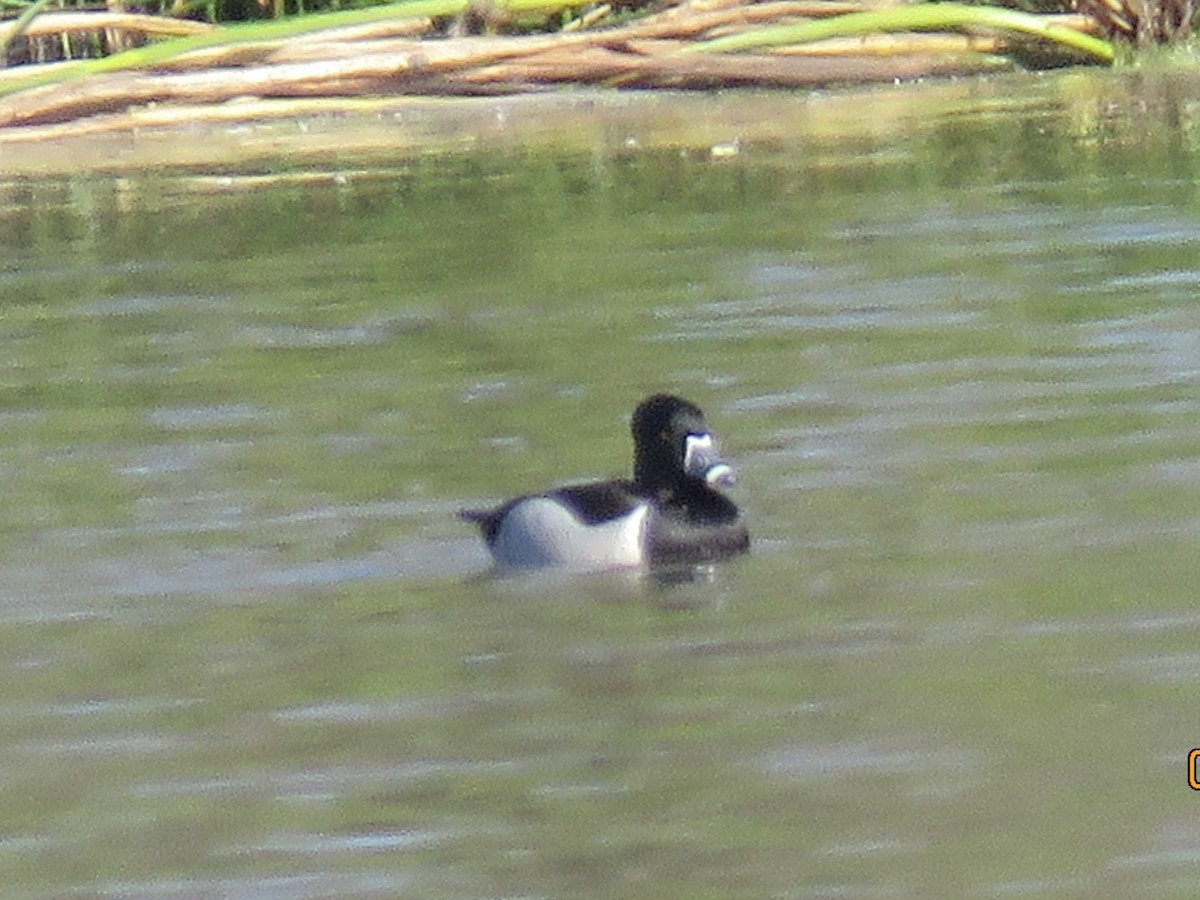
[(505, 46), (920, 17)]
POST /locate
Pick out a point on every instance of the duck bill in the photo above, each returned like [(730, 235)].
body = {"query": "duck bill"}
[(702, 459)]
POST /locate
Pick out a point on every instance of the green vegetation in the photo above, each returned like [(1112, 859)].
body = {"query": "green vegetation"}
[(918, 17), (290, 49)]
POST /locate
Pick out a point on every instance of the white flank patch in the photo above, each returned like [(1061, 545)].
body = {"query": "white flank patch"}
[(541, 532)]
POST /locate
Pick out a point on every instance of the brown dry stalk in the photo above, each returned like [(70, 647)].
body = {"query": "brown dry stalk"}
[(389, 28), (601, 64), (813, 9), (122, 90), (450, 52), (383, 58), (881, 45), (454, 65), (324, 44), (384, 72), (225, 56), (694, 19), (78, 22), (875, 45), (167, 116)]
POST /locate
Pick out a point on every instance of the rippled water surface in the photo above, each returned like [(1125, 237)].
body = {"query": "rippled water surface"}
[(247, 650)]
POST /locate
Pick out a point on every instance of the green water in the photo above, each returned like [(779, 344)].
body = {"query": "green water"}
[(247, 650)]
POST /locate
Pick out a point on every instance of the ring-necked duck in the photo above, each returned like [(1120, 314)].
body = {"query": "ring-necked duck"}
[(669, 513)]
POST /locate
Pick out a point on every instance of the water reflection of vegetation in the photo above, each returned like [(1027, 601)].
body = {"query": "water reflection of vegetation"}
[(389, 274)]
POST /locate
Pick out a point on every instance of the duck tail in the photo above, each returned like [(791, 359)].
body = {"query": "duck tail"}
[(487, 520)]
